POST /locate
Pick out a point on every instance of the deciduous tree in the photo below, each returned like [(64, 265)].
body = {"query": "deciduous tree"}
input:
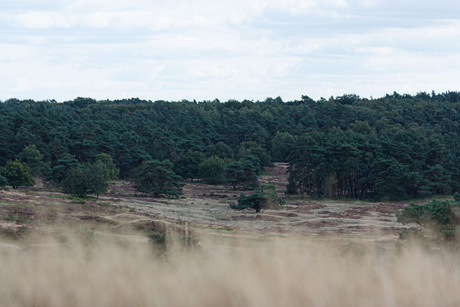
[(76, 182), (90, 180), (107, 160), (17, 174)]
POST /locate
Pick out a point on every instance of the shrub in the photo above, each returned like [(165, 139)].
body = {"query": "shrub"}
[(437, 216)]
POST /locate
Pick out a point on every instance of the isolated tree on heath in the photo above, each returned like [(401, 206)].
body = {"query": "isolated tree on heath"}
[(17, 174), (81, 182), (254, 201), (157, 178), (76, 182), (98, 177), (263, 198)]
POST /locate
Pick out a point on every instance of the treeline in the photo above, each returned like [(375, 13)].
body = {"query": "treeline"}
[(396, 146)]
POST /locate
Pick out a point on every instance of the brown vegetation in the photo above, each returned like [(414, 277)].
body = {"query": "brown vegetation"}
[(63, 251), (264, 272)]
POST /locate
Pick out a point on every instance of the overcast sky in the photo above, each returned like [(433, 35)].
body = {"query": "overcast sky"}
[(227, 49)]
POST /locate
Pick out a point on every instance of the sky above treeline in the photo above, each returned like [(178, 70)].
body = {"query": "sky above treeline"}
[(227, 49)]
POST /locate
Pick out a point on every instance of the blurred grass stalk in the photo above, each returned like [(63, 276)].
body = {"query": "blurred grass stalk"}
[(275, 272)]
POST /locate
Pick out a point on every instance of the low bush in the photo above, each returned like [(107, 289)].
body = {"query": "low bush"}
[(438, 220)]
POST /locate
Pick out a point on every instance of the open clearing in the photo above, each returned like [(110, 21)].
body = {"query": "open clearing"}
[(207, 207), (205, 210)]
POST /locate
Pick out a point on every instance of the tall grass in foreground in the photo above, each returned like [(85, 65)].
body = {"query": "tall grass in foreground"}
[(280, 272)]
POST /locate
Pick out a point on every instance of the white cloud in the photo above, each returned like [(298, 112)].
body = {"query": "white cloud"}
[(42, 20), (239, 49)]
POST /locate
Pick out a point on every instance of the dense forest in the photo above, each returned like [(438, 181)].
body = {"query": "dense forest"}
[(393, 147)]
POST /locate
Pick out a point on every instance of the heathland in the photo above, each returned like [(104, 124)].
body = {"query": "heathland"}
[(122, 250), (267, 203)]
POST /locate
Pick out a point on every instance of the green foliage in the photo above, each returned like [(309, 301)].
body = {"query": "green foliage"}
[(389, 177), (34, 159), (157, 238), (187, 165), (251, 170), (253, 201), (254, 162), (264, 198), (107, 160), (282, 146), (234, 173), (355, 164), (3, 181), (437, 215), (76, 182), (83, 181), (98, 177), (61, 167), (393, 147), (212, 170), (156, 178), (244, 174), (252, 148), (272, 200), (221, 150), (457, 196), (16, 174)]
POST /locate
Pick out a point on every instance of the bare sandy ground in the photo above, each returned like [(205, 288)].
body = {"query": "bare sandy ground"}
[(207, 207)]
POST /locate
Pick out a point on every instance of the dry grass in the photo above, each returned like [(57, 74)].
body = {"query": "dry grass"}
[(56, 251), (265, 272)]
